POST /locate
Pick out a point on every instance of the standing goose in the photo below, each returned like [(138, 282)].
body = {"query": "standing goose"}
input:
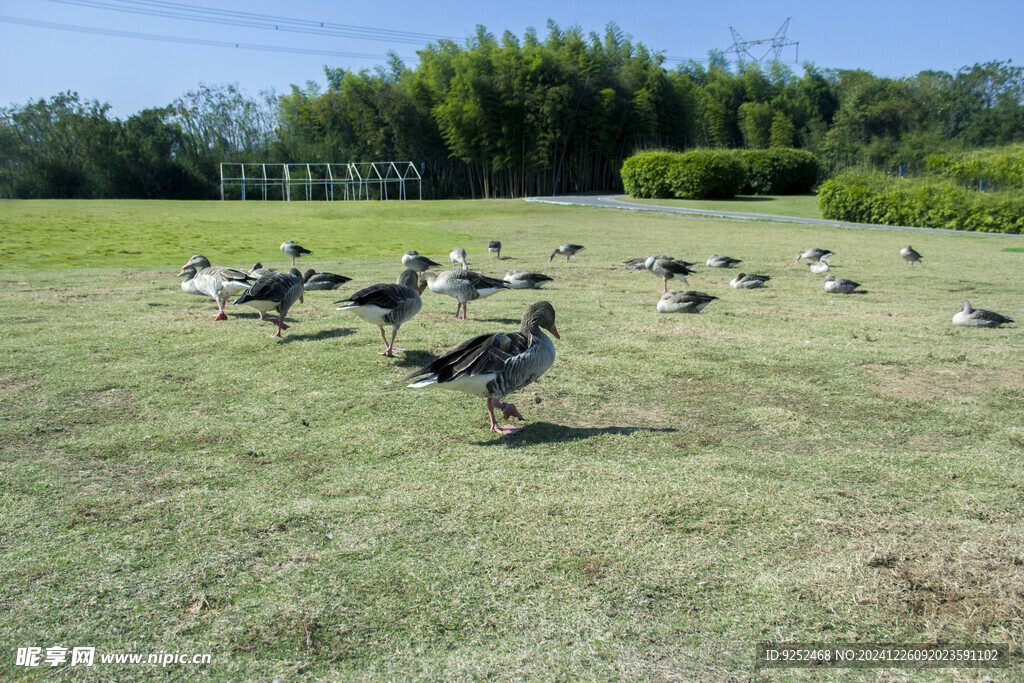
[(294, 250), (517, 279), (387, 304), (819, 267), (494, 247), (274, 291), (744, 281), (684, 302), (814, 254), (978, 317), (839, 285), (494, 365), (217, 282), (716, 261), (464, 286), (668, 268), (565, 250), (909, 255), (321, 281), (412, 259), (458, 255)]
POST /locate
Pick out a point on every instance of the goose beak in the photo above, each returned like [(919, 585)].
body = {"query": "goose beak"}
[(554, 331), (182, 271)]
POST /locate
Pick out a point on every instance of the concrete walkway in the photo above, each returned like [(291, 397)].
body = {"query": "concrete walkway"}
[(615, 202)]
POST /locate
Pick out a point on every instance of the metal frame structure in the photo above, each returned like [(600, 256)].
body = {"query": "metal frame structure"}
[(323, 181), (742, 47)]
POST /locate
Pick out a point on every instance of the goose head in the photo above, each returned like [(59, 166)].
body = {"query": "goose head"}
[(540, 314), (198, 262)]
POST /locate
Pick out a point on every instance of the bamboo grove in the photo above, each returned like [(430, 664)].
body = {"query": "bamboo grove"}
[(510, 117)]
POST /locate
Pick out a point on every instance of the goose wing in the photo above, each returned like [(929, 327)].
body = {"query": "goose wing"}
[(487, 353)]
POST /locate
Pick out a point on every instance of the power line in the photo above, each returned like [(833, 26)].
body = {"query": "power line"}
[(742, 47), (188, 41), (174, 10)]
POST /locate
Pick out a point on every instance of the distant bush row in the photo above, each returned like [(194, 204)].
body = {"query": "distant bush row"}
[(887, 200), (1000, 167), (719, 174)]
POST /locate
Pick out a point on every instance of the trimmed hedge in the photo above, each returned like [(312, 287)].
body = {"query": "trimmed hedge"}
[(886, 200), (999, 167), (719, 174), (701, 174), (778, 171)]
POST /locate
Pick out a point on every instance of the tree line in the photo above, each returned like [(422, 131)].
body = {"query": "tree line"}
[(510, 117)]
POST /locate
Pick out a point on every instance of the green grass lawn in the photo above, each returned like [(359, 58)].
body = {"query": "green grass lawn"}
[(786, 466), (801, 206)]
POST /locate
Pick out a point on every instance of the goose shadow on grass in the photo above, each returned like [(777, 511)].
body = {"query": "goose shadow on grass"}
[(414, 359), (500, 321), (547, 432), (317, 336)]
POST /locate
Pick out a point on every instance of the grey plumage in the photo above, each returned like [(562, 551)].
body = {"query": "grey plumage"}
[(313, 280), (517, 279), (566, 250), (814, 254), (273, 291), (290, 248), (464, 286), (839, 285), (413, 260), (716, 261), (745, 281), (969, 316), (684, 302), (386, 304), (217, 282)]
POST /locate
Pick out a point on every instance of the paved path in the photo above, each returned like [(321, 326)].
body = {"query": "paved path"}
[(614, 202)]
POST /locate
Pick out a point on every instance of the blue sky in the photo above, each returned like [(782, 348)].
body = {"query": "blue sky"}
[(94, 48)]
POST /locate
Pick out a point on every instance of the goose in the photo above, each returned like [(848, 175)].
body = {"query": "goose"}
[(458, 255), (814, 254), (387, 304), (517, 279), (638, 263), (819, 267), (716, 261), (494, 247), (217, 282), (668, 268), (273, 291), (978, 317), (412, 259), (744, 281), (684, 302), (257, 270), (839, 285), (464, 286), (321, 281), (294, 250), (909, 255), (494, 365), (565, 250)]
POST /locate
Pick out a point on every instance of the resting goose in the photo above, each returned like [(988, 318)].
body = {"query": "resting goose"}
[(273, 291), (565, 250), (216, 282), (494, 365), (294, 250), (909, 255), (458, 256), (412, 259), (517, 279), (978, 317), (814, 254), (494, 247), (464, 286), (839, 285), (716, 261), (744, 281), (668, 268), (321, 281), (257, 270), (387, 304), (684, 302), (819, 267)]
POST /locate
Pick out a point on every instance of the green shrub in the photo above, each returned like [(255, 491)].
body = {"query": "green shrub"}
[(701, 174), (778, 171), (999, 167), (886, 200)]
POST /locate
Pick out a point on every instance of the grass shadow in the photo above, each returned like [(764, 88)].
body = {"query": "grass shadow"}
[(414, 359), (317, 336), (501, 321), (547, 432)]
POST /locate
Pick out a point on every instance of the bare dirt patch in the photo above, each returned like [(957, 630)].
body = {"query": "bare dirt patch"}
[(930, 383)]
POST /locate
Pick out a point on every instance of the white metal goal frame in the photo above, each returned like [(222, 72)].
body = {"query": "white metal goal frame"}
[(325, 181)]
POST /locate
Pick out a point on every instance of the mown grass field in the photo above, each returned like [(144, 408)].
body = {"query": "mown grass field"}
[(786, 466), (801, 206)]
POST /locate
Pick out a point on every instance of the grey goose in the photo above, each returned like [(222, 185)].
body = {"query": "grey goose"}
[(458, 256), (814, 254), (412, 259), (968, 316), (910, 256), (566, 250), (839, 285), (387, 304), (684, 302), (464, 286), (290, 248), (745, 281), (273, 291), (217, 282), (517, 279), (668, 268), (493, 366), (494, 247), (716, 261)]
